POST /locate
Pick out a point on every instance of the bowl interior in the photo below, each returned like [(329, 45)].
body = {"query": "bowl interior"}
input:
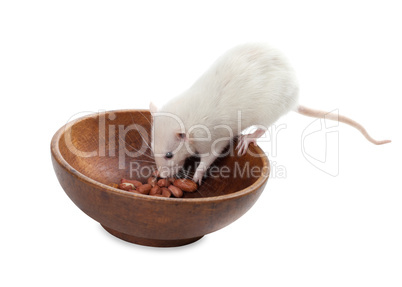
[(108, 146)]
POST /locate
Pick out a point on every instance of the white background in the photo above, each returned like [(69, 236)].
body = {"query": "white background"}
[(62, 58)]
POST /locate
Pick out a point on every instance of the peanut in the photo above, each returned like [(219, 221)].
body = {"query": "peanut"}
[(164, 187), (163, 182), (155, 190), (185, 185), (115, 185), (136, 183), (144, 189), (152, 181), (126, 186), (177, 192), (166, 192)]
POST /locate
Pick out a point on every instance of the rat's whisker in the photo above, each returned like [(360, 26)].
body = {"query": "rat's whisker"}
[(146, 118), (140, 133)]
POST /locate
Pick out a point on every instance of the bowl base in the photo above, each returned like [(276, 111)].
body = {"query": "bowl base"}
[(151, 242)]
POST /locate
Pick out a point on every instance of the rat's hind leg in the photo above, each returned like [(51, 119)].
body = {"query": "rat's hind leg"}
[(245, 140)]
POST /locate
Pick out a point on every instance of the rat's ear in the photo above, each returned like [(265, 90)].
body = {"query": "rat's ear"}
[(181, 136), (152, 108), (184, 137)]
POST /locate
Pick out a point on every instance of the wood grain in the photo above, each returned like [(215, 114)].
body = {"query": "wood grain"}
[(141, 219)]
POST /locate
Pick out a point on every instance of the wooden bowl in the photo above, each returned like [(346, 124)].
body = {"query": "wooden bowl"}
[(92, 152)]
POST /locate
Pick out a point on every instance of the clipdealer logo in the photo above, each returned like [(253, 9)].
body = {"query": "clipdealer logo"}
[(326, 131)]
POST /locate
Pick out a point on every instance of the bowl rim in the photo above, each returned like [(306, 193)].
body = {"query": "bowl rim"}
[(56, 154)]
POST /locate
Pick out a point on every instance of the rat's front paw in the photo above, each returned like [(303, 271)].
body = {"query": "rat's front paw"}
[(198, 175)]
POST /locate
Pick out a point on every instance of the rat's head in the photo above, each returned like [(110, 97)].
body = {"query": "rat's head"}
[(170, 144)]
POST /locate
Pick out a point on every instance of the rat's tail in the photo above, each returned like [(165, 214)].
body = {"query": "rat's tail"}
[(321, 114)]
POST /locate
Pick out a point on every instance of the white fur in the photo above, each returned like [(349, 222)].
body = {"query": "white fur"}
[(254, 79)]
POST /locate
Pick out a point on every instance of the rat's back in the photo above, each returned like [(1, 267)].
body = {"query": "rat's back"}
[(253, 79)]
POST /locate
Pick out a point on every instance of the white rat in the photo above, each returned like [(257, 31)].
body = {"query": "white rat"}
[(249, 85)]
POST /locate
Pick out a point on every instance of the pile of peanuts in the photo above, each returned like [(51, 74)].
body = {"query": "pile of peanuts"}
[(161, 187)]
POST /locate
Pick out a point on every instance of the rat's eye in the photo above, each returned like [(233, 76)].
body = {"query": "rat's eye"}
[(168, 155)]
